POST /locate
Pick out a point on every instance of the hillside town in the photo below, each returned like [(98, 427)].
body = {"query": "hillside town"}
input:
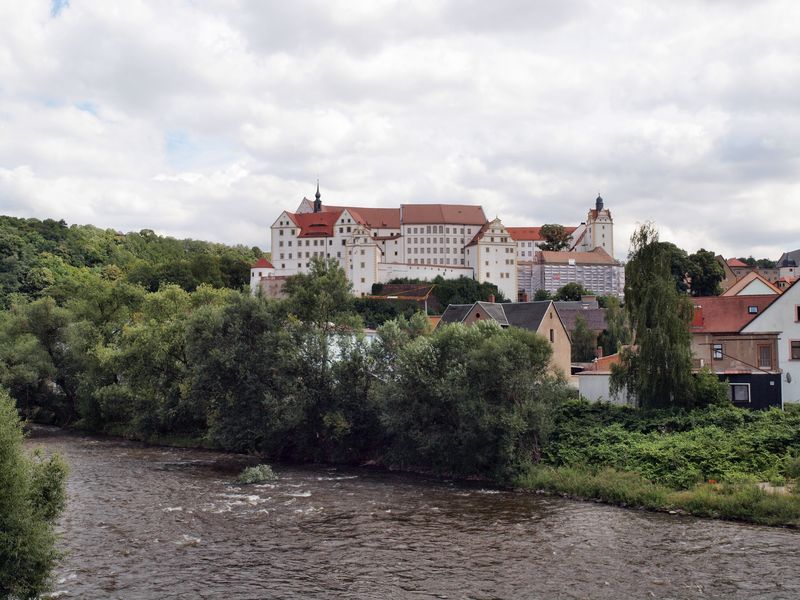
[(748, 335)]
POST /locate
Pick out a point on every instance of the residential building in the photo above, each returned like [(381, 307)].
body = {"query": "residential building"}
[(752, 284), (588, 308), (741, 269), (541, 317), (594, 383), (748, 361), (730, 277), (783, 317)]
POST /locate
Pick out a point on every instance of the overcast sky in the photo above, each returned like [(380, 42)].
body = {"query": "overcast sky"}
[(205, 119)]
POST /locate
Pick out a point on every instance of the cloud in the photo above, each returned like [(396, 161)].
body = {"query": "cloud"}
[(208, 118)]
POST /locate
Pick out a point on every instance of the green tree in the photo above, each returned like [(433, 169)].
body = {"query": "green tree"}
[(322, 296), (678, 265), (32, 495), (584, 341), (469, 400), (542, 295), (705, 273), (555, 236), (571, 291), (657, 370), (617, 332)]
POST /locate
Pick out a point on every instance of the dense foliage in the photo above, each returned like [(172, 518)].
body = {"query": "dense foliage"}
[(657, 372), (32, 495), (555, 237), (35, 255), (676, 448), (290, 379)]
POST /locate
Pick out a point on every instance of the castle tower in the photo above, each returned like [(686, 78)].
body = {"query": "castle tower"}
[(363, 256), (599, 229)]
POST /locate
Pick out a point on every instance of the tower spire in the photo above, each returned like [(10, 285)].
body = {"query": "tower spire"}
[(317, 201)]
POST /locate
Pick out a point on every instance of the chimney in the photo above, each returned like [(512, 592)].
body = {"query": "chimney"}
[(491, 298)]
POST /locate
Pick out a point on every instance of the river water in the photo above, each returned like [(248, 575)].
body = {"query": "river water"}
[(146, 522)]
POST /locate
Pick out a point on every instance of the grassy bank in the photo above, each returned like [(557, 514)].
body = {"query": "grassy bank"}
[(735, 501)]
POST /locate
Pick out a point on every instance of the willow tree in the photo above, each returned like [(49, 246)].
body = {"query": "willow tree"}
[(656, 369)]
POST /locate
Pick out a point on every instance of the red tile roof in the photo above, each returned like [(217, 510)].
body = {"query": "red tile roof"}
[(318, 224), (375, 218), (531, 234), (598, 256), (726, 314), (262, 263), (453, 214), (735, 262)]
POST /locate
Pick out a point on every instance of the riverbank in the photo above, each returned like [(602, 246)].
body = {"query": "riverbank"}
[(748, 502)]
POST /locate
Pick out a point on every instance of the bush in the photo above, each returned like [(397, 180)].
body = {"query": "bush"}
[(257, 474), (32, 495)]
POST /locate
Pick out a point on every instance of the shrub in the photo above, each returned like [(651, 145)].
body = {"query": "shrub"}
[(257, 474)]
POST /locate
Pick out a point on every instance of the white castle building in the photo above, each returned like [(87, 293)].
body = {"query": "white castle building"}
[(375, 245)]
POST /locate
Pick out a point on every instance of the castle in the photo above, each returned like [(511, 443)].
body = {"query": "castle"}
[(375, 245)]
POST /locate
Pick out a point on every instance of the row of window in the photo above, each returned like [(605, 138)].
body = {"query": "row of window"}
[(764, 353), (432, 261), (432, 229)]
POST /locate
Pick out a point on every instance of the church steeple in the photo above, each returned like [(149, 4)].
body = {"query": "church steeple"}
[(317, 201), (598, 204)]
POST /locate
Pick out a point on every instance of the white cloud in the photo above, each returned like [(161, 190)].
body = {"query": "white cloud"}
[(205, 119)]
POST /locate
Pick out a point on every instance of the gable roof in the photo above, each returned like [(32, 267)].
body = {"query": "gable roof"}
[(455, 313), (262, 263), (786, 296), (726, 314), (531, 234), (453, 214), (752, 279), (789, 259), (598, 256), (527, 315)]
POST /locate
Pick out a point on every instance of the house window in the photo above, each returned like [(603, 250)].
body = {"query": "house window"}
[(797, 313), (795, 346), (552, 335), (752, 310), (739, 393), (764, 356), (716, 351)]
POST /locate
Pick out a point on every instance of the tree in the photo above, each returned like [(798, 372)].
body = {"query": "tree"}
[(678, 265), (542, 295), (571, 291), (555, 236), (322, 296), (32, 495), (617, 332), (657, 370), (705, 273), (584, 341)]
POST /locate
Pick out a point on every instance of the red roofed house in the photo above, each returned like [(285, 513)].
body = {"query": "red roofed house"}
[(748, 361)]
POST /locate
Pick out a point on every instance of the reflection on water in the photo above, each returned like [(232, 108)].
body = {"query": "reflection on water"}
[(165, 523)]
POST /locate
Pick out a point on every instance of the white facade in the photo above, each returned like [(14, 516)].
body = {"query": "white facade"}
[(783, 317), (437, 244), (595, 386), (363, 257), (259, 270), (492, 256)]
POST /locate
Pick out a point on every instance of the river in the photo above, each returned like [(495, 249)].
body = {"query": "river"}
[(147, 522)]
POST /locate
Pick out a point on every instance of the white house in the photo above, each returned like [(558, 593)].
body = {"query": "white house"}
[(783, 317)]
